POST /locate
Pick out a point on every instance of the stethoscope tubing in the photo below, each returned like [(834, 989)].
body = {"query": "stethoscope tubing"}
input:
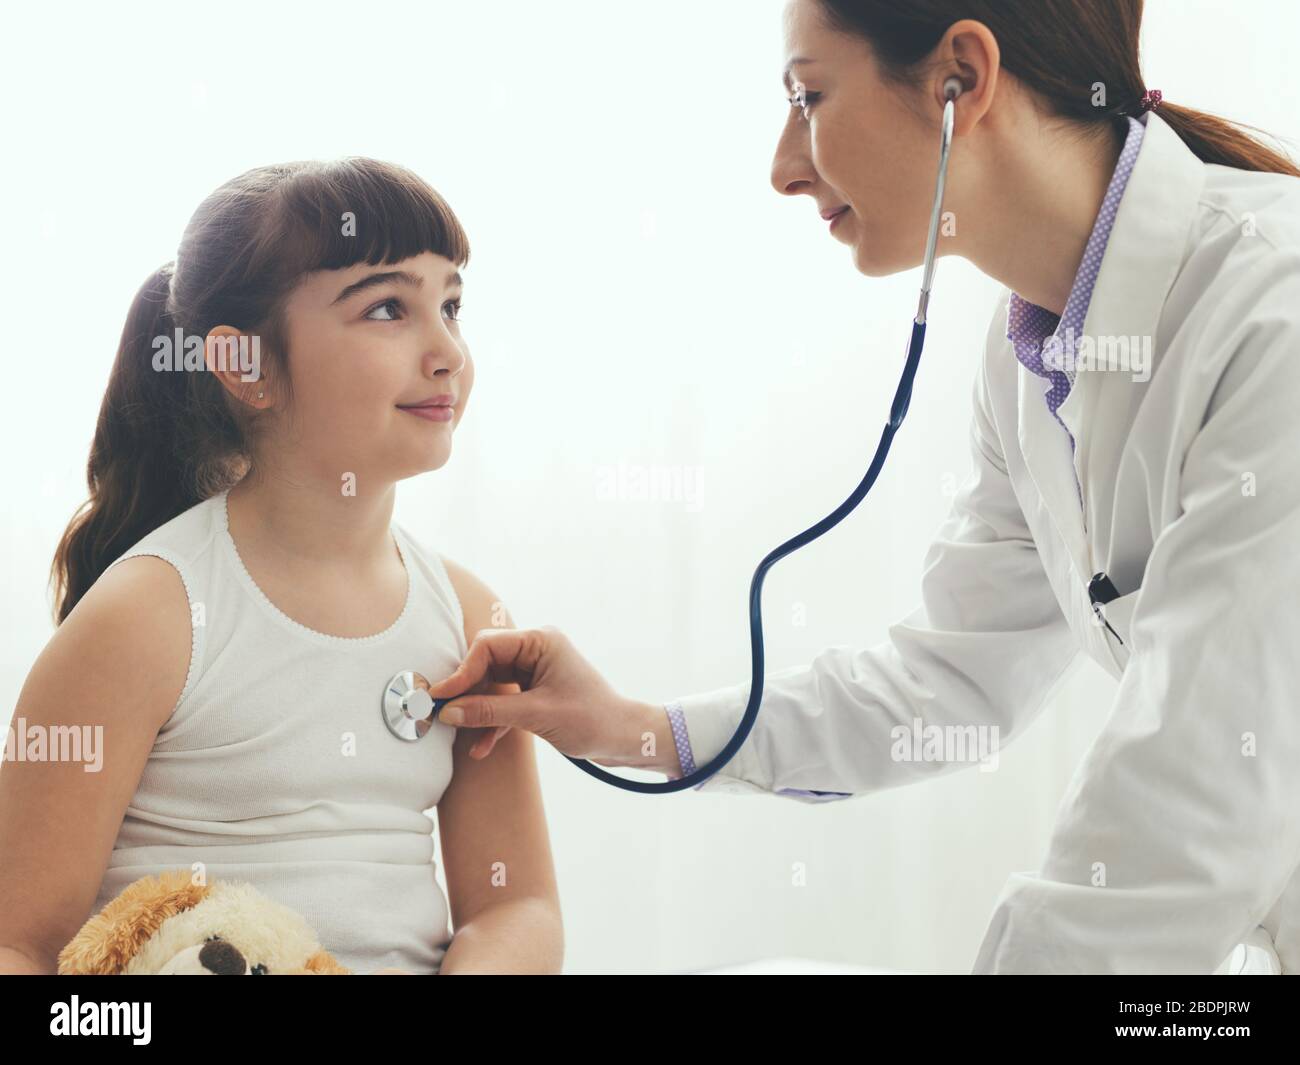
[(406, 704), (897, 411)]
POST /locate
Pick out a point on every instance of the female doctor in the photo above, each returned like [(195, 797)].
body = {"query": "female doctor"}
[(1160, 247)]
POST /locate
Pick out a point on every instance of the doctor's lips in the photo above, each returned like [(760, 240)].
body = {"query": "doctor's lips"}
[(834, 214), (434, 409)]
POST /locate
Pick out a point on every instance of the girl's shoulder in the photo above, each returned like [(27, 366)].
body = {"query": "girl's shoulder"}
[(138, 617), (184, 540), (169, 576)]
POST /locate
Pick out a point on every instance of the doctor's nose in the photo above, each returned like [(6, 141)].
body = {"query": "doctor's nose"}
[(792, 169)]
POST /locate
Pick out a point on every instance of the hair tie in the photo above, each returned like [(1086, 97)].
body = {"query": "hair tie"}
[(1150, 100)]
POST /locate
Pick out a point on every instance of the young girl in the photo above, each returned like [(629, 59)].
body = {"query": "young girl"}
[(236, 595)]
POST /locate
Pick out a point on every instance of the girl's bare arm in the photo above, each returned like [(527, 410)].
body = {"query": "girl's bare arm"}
[(108, 678), (504, 901)]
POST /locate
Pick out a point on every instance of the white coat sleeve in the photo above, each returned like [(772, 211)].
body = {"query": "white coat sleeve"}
[(985, 646), (1181, 827)]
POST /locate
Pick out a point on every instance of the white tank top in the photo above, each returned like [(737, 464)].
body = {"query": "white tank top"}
[(276, 766)]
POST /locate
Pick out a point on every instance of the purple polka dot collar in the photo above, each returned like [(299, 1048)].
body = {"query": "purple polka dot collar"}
[(1029, 325)]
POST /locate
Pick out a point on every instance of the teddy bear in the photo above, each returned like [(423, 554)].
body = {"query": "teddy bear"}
[(169, 925)]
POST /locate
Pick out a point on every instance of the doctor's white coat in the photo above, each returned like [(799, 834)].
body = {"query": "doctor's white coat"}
[(1190, 797)]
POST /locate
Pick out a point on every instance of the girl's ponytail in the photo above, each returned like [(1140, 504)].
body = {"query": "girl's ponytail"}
[(145, 455)]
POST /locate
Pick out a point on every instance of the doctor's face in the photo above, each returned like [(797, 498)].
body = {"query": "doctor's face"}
[(858, 145)]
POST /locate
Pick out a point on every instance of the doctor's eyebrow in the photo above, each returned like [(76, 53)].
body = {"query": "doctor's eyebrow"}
[(785, 74), (402, 277)]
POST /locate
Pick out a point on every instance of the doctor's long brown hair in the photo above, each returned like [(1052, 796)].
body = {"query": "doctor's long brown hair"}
[(165, 439), (1061, 49)]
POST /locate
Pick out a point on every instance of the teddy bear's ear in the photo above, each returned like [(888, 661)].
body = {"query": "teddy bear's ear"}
[(111, 938), (323, 963)]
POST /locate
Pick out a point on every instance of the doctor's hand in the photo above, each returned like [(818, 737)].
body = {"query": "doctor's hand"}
[(564, 700)]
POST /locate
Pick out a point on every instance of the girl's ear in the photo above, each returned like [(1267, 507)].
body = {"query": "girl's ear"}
[(236, 358)]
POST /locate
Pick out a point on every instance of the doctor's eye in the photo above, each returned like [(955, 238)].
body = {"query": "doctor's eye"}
[(803, 99), (455, 307)]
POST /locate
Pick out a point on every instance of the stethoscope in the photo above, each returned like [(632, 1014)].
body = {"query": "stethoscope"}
[(409, 711)]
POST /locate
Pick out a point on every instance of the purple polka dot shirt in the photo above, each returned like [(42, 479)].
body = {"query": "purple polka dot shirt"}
[(1028, 327)]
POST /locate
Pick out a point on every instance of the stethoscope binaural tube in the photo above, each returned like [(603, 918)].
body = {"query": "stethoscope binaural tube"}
[(898, 409)]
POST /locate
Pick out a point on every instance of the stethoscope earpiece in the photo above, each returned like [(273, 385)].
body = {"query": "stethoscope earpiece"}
[(952, 88)]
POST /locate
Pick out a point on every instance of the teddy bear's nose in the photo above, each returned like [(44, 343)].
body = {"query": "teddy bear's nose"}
[(221, 958)]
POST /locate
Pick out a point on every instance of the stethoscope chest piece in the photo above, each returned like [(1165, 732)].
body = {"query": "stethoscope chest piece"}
[(409, 710)]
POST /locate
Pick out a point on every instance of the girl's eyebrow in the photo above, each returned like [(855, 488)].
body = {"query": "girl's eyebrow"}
[(400, 276)]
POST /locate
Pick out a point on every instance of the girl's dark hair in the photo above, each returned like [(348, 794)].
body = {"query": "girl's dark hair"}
[(1061, 49), (166, 440)]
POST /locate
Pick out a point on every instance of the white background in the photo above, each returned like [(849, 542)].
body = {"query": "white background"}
[(639, 295)]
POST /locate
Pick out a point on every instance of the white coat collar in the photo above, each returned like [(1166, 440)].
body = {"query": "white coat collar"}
[(1143, 255)]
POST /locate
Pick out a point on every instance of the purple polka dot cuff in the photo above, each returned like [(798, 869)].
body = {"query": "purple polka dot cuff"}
[(681, 740)]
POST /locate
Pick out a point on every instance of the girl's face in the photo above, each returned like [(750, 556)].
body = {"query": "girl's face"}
[(854, 145), (365, 344)]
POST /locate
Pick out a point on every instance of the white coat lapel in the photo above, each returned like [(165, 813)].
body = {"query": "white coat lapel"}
[(1142, 257), (1046, 449)]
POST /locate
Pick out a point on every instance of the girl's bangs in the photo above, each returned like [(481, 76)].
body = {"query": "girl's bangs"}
[(360, 210)]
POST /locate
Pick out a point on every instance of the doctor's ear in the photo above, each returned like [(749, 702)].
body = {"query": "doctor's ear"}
[(967, 58), (970, 101)]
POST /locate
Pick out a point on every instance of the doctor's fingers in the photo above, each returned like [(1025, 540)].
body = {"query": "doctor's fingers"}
[(564, 700), (499, 656)]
